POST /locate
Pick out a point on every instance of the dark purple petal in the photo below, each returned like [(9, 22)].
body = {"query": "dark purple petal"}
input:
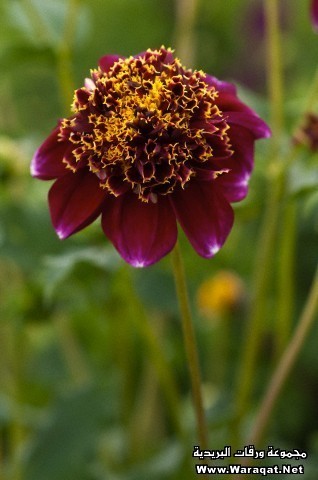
[(166, 56), (142, 232), (47, 162), (234, 185), (107, 61), (250, 121), (205, 216), (314, 14), (236, 112), (75, 202), (219, 85)]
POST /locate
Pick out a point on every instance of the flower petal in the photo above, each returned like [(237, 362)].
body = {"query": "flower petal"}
[(107, 61), (236, 112), (251, 121), (47, 161), (205, 216), (314, 14), (142, 232), (219, 85), (234, 184), (75, 202)]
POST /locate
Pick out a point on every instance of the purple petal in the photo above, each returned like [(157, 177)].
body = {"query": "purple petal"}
[(205, 216), (314, 14), (75, 202), (236, 112), (107, 61), (219, 85), (47, 162), (234, 185), (142, 232), (250, 121)]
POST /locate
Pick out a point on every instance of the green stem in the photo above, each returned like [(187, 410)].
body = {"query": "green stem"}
[(286, 283), (257, 314), (143, 326), (286, 364), (266, 248), (190, 345), (274, 70), (163, 371), (71, 350), (186, 11), (36, 21), (64, 56), (313, 94)]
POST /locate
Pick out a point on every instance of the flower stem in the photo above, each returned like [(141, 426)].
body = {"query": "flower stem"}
[(71, 350), (36, 22), (186, 11), (274, 69), (63, 53), (286, 364), (141, 324), (276, 187), (286, 279), (190, 345)]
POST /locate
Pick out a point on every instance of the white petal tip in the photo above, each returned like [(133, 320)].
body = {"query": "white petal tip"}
[(33, 170), (89, 84), (214, 249), (138, 264), (60, 234)]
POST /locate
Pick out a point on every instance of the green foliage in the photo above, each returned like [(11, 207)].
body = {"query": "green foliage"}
[(65, 446)]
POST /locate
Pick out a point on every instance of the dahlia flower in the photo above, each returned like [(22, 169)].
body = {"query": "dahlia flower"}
[(314, 14), (149, 144)]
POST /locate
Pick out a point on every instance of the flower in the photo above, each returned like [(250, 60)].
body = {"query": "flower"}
[(314, 14), (150, 144), (220, 294)]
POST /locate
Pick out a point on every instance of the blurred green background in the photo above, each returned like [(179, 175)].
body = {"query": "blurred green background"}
[(93, 377)]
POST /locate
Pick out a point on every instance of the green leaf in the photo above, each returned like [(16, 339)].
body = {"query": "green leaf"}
[(303, 179), (66, 446), (59, 267)]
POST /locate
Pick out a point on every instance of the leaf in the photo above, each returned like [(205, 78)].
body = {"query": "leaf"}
[(43, 23), (58, 267), (65, 447), (303, 179)]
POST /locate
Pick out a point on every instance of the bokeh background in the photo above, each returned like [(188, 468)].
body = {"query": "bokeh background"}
[(93, 377)]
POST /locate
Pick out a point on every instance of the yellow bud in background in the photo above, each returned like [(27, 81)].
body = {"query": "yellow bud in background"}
[(220, 294)]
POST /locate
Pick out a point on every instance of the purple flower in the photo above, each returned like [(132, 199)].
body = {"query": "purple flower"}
[(150, 144)]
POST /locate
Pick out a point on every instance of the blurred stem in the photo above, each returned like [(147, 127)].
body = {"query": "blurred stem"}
[(144, 328), (185, 41), (12, 361), (12, 348), (36, 21), (71, 350), (276, 187), (147, 420), (190, 345), (274, 71), (286, 283), (257, 314), (286, 279), (64, 56), (313, 94), (286, 364)]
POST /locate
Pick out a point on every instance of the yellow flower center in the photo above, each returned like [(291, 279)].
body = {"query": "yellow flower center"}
[(144, 125)]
